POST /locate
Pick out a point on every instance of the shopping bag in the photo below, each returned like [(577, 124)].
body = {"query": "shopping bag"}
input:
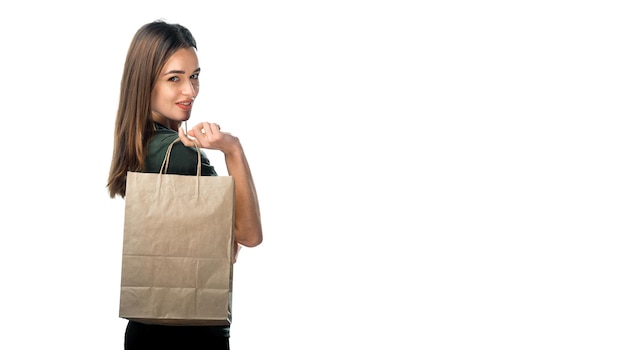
[(177, 260)]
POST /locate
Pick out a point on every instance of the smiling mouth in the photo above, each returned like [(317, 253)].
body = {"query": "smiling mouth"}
[(186, 106)]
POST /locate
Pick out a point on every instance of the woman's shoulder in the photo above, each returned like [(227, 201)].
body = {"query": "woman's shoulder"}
[(183, 159), (161, 139), (157, 148)]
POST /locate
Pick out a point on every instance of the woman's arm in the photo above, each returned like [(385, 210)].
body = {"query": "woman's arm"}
[(248, 229)]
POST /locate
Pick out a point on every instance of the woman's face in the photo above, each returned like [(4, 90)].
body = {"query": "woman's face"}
[(176, 88)]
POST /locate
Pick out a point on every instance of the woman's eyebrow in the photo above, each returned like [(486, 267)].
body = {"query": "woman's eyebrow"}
[(176, 71)]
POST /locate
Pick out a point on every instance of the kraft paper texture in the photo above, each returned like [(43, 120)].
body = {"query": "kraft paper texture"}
[(178, 249)]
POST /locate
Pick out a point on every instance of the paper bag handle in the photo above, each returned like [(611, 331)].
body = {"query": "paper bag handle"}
[(166, 160)]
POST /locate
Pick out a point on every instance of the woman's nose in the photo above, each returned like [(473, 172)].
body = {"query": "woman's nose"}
[(190, 88)]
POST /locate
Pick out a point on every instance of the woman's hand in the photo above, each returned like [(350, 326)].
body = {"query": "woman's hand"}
[(209, 136)]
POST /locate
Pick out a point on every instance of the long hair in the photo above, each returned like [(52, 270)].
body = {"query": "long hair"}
[(151, 47)]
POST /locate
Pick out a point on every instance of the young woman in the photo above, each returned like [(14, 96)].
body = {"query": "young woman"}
[(159, 85)]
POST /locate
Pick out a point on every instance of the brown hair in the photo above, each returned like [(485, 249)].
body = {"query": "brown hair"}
[(151, 47)]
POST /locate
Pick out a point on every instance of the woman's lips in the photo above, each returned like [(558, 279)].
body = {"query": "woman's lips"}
[(185, 105)]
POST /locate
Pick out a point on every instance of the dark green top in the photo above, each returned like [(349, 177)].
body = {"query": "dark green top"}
[(183, 159)]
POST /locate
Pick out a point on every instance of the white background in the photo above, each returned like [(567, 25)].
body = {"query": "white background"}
[(432, 174)]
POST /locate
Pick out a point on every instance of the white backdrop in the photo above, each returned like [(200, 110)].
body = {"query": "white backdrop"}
[(432, 174)]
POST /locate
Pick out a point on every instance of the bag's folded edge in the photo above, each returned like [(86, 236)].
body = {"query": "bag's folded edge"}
[(179, 322)]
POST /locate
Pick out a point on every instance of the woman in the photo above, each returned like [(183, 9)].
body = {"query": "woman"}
[(159, 85)]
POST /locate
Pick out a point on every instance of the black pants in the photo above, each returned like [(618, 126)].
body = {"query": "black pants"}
[(141, 336)]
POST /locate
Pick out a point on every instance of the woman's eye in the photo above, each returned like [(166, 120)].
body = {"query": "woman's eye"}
[(195, 76), (174, 79)]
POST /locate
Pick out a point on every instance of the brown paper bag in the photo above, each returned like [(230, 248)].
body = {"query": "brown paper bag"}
[(178, 248)]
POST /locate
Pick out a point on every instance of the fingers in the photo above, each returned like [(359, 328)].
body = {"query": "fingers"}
[(209, 128), (214, 127), (204, 134), (197, 131), (187, 141)]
